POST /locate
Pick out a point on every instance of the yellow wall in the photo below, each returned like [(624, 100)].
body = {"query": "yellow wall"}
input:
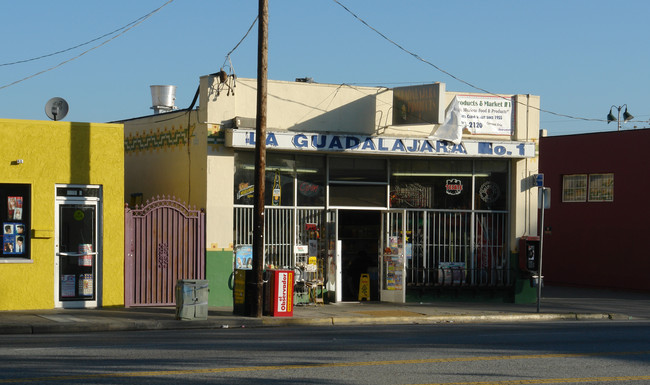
[(62, 153)]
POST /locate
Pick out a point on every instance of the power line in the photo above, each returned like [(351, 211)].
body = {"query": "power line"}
[(82, 44), (227, 59), (124, 30), (244, 37), (416, 56)]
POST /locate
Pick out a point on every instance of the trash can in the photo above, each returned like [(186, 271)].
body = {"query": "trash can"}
[(192, 299)]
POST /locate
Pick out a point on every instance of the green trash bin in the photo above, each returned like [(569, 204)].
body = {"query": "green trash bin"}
[(192, 299)]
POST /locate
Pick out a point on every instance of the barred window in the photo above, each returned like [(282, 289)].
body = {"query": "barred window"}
[(601, 187), (574, 188)]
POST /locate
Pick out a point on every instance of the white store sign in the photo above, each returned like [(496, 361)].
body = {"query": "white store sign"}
[(359, 144)]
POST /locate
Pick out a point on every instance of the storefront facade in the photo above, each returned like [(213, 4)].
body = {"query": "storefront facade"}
[(61, 198), (414, 221), (352, 189)]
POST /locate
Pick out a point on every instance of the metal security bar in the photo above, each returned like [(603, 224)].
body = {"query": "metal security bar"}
[(243, 231), (278, 236), (444, 247), (284, 227), (492, 265), (457, 248)]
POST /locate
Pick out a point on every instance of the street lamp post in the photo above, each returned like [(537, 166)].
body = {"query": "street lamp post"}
[(626, 115)]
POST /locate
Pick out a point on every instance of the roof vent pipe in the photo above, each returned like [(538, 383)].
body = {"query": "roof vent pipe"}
[(162, 99)]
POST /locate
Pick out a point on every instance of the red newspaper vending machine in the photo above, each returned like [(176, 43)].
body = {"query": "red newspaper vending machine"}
[(280, 293)]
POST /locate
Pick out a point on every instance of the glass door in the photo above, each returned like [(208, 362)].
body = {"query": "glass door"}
[(77, 252), (392, 257)]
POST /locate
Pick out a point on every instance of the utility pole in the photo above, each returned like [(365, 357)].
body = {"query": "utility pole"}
[(260, 160)]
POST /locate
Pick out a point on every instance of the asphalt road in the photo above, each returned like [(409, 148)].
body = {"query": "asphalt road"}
[(584, 352)]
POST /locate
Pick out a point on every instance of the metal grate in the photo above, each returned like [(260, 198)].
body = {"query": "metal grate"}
[(284, 228), (457, 248), (447, 248)]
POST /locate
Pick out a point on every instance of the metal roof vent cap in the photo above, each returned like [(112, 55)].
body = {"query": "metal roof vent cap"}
[(162, 99)]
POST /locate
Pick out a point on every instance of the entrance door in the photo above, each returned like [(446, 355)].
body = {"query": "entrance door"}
[(359, 232), (77, 253), (392, 257)]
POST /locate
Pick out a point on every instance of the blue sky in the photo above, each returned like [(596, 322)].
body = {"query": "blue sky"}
[(581, 57)]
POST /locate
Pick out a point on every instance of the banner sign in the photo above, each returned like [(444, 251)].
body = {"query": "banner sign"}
[(485, 115), (476, 115), (359, 144)]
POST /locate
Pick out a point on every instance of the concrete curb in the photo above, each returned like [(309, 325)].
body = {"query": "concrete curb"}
[(225, 323)]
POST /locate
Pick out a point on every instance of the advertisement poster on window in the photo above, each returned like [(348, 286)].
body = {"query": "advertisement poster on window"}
[(68, 282), (15, 208), (86, 285), (394, 274), (244, 257), (86, 258), (13, 238)]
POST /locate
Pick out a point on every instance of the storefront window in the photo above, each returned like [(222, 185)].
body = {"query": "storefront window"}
[(15, 209), (310, 172), (411, 184), (280, 174), (359, 182), (244, 178), (278, 189), (358, 195), (491, 184), (357, 170), (438, 184)]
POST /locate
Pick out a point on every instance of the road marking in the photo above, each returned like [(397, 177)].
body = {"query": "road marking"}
[(366, 363), (547, 381)]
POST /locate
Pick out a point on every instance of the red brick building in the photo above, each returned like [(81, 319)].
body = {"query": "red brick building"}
[(597, 231)]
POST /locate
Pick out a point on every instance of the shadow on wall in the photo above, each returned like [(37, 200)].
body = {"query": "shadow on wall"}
[(356, 117), (80, 153)]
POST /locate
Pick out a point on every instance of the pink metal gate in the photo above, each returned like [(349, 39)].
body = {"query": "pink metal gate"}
[(164, 242)]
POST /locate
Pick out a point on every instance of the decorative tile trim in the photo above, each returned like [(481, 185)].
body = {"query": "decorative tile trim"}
[(216, 137), (155, 140)]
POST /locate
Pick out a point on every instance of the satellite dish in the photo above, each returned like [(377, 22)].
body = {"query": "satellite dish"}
[(56, 108)]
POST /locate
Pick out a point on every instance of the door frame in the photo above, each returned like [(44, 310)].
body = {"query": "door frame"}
[(96, 202), (334, 252), (333, 261), (393, 231)]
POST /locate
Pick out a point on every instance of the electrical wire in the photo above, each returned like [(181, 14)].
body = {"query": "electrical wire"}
[(418, 57), (196, 95), (124, 30), (240, 41), (80, 45)]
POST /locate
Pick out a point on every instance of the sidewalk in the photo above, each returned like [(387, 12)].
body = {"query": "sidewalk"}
[(558, 303)]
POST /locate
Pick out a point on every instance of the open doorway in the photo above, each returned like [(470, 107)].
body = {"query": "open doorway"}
[(359, 232)]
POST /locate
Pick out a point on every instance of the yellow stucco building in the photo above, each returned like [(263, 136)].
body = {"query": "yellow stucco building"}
[(62, 212)]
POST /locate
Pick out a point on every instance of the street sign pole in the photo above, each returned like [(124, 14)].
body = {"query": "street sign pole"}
[(541, 248)]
